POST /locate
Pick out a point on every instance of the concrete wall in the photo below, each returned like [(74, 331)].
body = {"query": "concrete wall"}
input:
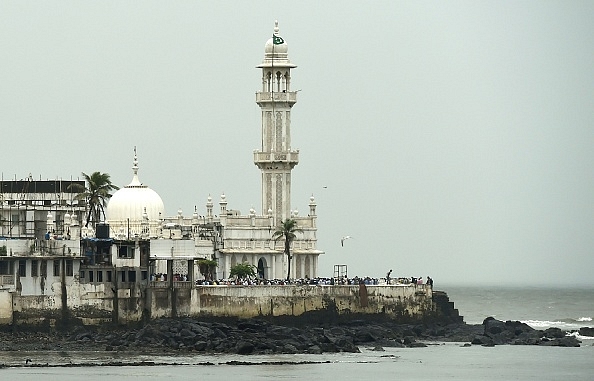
[(5, 308), (403, 302), (100, 303)]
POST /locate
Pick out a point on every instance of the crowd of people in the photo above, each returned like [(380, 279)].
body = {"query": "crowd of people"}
[(161, 277), (297, 282), (320, 281), (412, 280)]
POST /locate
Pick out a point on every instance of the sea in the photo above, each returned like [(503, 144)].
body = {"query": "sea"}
[(540, 307)]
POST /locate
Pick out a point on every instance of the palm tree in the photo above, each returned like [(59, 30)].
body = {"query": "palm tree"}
[(287, 231), (95, 194)]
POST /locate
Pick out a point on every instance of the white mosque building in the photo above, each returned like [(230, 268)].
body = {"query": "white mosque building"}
[(46, 251), (174, 244)]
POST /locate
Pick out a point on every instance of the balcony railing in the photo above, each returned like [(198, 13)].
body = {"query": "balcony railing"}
[(276, 157), (6, 280), (290, 97)]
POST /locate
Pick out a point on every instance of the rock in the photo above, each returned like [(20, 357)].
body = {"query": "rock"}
[(364, 337), (567, 341), (586, 331), (552, 333), (314, 349), (265, 337), (85, 336), (200, 345), (252, 326), (290, 348), (244, 348), (483, 340), (493, 326)]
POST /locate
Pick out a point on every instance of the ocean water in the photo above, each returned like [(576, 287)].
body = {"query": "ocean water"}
[(540, 307)]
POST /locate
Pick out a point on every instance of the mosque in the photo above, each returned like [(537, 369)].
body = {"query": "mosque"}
[(139, 264), (229, 237), (41, 224)]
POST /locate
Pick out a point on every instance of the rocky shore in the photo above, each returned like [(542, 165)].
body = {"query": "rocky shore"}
[(257, 336)]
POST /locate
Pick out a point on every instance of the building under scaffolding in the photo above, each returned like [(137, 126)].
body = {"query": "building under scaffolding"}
[(26, 204)]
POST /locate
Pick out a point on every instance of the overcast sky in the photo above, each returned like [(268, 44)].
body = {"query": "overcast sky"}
[(449, 138)]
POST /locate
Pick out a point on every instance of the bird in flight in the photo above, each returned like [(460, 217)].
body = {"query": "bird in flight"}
[(344, 239)]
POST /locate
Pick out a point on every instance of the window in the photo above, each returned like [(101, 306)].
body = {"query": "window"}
[(56, 267), (123, 276), (22, 268), (6, 268), (43, 268), (126, 252), (99, 276), (69, 267), (91, 276), (82, 274), (131, 276), (144, 274), (108, 274), (34, 267)]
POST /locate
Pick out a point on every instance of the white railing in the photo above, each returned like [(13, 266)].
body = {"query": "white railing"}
[(271, 157), (290, 96)]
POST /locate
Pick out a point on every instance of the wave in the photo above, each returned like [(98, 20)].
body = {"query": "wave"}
[(580, 337), (564, 324)]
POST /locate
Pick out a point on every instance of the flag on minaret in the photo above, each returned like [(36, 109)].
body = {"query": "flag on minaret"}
[(277, 40)]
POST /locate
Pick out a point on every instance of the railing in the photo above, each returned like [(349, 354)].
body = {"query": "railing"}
[(6, 280), (271, 157), (176, 284), (290, 96)]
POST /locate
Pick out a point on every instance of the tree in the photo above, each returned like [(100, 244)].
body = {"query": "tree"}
[(243, 270), (96, 194), (206, 267), (287, 231)]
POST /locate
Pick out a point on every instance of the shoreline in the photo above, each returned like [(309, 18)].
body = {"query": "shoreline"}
[(262, 337)]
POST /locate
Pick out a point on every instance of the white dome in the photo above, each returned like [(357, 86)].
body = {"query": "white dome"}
[(276, 52), (276, 45), (278, 48), (131, 201)]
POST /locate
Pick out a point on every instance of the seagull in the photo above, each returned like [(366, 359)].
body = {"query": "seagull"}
[(344, 238)]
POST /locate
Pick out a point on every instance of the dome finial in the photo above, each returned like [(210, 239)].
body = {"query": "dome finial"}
[(135, 163), (275, 26), (135, 181)]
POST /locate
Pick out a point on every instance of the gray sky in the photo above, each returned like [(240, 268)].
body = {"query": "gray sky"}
[(454, 138)]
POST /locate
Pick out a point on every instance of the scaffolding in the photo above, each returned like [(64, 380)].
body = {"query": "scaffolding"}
[(25, 204)]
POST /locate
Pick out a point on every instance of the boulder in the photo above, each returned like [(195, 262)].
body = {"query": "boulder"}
[(587, 331), (244, 348), (553, 333), (567, 341)]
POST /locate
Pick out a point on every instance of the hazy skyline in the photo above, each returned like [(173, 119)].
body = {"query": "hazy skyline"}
[(451, 139)]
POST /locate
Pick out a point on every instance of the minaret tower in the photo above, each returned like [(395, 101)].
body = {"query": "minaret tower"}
[(276, 159)]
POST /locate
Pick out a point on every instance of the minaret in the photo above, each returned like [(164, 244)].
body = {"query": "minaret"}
[(276, 159)]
